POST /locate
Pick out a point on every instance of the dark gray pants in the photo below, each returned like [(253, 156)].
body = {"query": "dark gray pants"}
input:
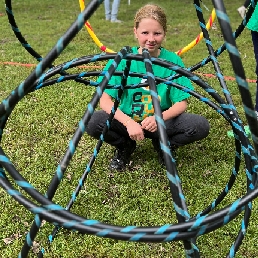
[(181, 130)]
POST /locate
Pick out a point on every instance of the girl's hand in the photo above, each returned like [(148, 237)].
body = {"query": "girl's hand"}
[(135, 131), (149, 124)]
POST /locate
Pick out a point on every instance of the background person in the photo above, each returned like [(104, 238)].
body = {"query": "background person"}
[(252, 25), (111, 13)]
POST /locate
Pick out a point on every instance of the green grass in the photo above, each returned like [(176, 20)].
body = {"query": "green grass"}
[(38, 131)]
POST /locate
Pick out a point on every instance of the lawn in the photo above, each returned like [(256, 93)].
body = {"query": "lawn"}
[(39, 129)]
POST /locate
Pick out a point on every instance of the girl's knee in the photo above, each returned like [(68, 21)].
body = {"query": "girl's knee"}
[(203, 127), (96, 124)]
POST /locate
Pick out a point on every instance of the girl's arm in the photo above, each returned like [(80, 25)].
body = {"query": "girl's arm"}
[(177, 109), (134, 129), (106, 104)]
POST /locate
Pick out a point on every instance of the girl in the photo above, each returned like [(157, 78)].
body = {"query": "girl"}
[(134, 119)]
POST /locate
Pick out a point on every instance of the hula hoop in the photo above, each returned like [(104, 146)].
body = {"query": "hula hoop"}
[(179, 52), (200, 36)]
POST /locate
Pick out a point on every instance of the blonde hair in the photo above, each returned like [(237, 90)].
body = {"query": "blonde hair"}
[(151, 11)]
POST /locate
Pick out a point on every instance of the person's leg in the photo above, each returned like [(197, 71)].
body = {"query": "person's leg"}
[(255, 44), (116, 136), (114, 11), (107, 9), (182, 130), (187, 128)]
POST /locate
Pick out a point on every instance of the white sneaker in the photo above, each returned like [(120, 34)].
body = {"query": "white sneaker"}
[(118, 21), (242, 11)]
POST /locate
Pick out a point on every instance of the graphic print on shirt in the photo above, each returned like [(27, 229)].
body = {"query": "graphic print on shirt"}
[(142, 106)]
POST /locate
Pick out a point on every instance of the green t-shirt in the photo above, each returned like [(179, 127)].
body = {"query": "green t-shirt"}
[(253, 22), (137, 103)]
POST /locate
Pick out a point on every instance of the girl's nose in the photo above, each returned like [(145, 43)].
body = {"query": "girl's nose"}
[(151, 38)]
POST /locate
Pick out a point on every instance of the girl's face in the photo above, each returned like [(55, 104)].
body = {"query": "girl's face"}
[(150, 34)]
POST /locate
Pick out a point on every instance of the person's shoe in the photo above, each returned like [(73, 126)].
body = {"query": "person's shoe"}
[(242, 11), (155, 143), (256, 114), (122, 156), (116, 20)]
